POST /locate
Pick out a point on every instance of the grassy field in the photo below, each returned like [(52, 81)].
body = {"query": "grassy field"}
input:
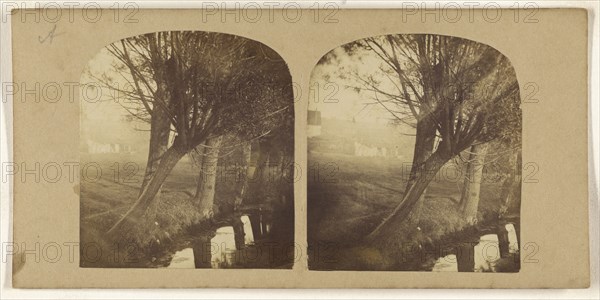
[(348, 197), (107, 196)]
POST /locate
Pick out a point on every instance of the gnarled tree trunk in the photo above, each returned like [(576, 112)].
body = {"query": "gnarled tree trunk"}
[(205, 188), (247, 172), (390, 225), (260, 170), (465, 256), (159, 142), (203, 250), (160, 124), (424, 142), (137, 210), (238, 232), (469, 202), (511, 187)]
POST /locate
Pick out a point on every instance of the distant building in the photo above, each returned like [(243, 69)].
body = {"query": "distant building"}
[(314, 123), (108, 129), (116, 139), (361, 149), (358, 139), (96, 147)]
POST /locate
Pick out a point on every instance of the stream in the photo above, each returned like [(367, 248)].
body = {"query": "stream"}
[(485, 256), (246, 241)]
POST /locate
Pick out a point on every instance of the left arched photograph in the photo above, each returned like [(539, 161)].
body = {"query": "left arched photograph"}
[(187, 154)]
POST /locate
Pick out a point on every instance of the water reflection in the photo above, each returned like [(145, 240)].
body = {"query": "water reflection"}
[(487, 253), (481, 257), (221, 250), (248, 234), (446, 264), (183, 259), (512, 239), (260, 224)]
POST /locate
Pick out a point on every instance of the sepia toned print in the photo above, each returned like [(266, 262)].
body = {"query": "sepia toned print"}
[(193, 133), (80, 159), (416, 160)]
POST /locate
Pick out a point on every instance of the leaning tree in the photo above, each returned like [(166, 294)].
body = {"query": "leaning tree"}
[(413, 74), (474, 98), (200, 86), (409, 65), (405, 85)]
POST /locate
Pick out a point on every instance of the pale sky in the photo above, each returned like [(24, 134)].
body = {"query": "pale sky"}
[(101, 108), (330, 87), (331, 94)]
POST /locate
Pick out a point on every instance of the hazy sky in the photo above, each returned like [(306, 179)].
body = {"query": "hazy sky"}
[(334, 89), (101, 108), (332, 93)]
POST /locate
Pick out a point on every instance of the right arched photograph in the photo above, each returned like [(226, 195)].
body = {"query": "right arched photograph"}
[(414, 157)]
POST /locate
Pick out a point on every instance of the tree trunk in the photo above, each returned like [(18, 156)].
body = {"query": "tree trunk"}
[(511, 194), (137, 210), (511, 187), (390, 225), (469, 201), (264, 151), (205, 189), (159, 142), (503, 242), (424, 142), (256, 224), (256, 183), (252, 161), (247, 172), (203, 251), (465, 257), (238, 232)]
